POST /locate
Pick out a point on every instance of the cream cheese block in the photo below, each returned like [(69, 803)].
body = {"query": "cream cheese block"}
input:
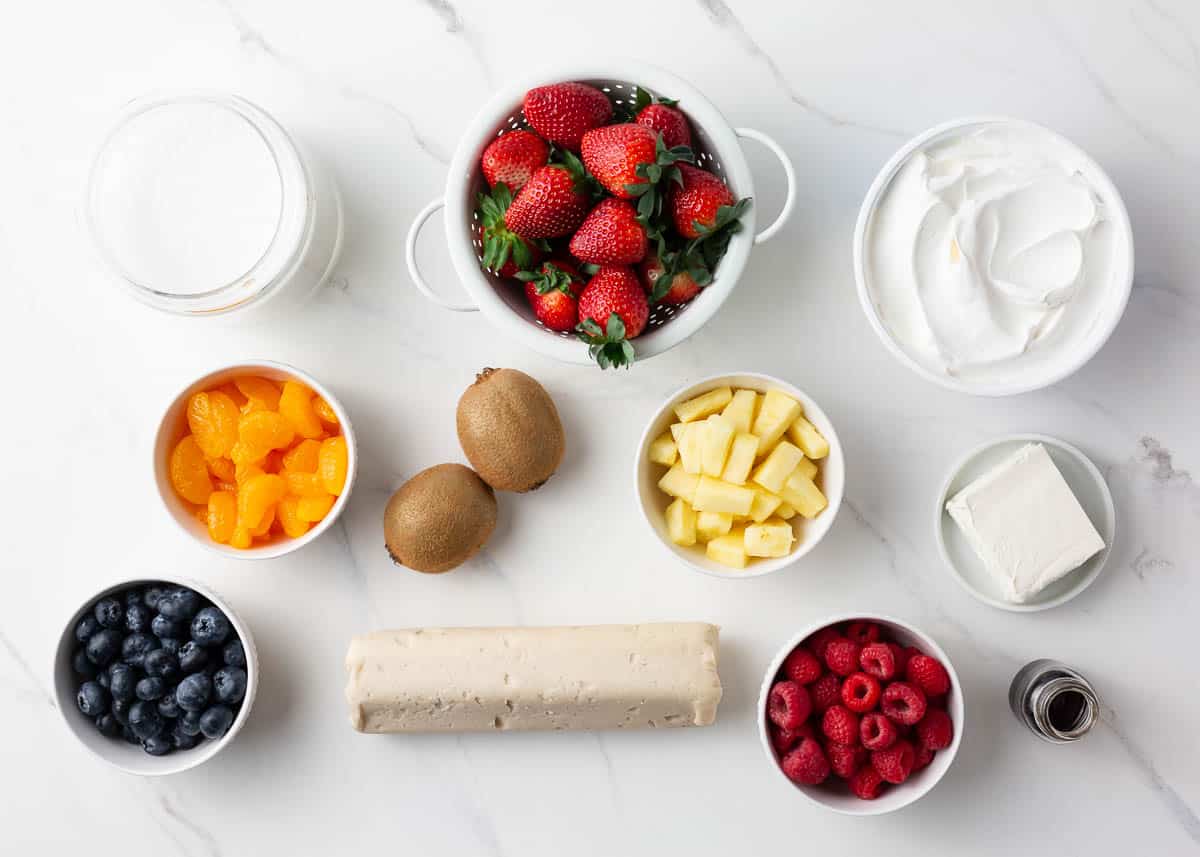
[(1025, 524), (586, 677)]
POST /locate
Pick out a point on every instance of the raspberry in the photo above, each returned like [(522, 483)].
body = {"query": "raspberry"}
[(895, 763), (818, 641), (806, 764), (866, 783), (840, 725), (860, 692), (841, 656), (863, 632), (825, 691), (935, 730), (784, 739), (802, 666), (844, 759), (901, 655), (903, 703), (922, 759), (877, 732), (876, 659), (928, 674), (788, 705)]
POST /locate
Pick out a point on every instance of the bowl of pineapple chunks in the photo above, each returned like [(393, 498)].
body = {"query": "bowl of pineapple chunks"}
[(740, 475)]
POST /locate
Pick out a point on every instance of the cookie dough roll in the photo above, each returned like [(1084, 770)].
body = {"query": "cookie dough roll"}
[(483, 679)]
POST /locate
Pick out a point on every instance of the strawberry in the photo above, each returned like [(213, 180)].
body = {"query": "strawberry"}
[(562, 112), (553, 292), (553, 202), (512, 158), (697, 201), (678, 288), (629, 160), (505, 253), (612, 310), (556, 310), (610, 235), (667, 120)]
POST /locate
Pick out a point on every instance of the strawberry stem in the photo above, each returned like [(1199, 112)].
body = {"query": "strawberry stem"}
[(608, 347)]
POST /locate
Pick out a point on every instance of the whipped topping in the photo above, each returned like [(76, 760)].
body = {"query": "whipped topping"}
[(989, 244)]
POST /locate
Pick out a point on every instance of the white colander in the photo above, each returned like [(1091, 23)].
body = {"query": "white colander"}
[(716, 146)]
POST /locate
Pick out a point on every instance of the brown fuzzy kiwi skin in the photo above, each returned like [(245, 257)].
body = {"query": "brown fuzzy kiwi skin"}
[(439, 519), (510, 431)]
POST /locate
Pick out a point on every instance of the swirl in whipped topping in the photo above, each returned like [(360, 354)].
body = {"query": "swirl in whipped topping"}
[(984, 246)]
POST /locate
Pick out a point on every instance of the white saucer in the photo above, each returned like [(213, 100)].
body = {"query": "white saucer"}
[(1086, 482)]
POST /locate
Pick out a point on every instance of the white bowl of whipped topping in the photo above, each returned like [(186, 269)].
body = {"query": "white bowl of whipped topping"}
[(993, 256)]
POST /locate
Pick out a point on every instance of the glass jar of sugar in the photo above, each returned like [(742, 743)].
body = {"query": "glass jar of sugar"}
[(202, 204)]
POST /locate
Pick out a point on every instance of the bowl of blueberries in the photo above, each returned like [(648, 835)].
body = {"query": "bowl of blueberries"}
[(155, 676)]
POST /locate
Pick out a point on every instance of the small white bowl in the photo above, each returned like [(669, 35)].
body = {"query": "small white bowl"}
[(834, 794), (116, 751), (173, 426), (1082, 348), (1086, 483), (653, 502)]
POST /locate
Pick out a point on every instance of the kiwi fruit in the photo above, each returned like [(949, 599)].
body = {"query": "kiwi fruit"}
[(439, 519), (510, 430)]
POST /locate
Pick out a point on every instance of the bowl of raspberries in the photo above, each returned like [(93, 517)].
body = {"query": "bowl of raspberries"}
[(862, 715), (599, 212)]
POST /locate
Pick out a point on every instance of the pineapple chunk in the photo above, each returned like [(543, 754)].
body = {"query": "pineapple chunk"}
[(764, 504), (808, 468), (663, 450), (773, 538), (785, 511), (778, 466), (691, 446), (713, 495), (710, 525), (677, 430), (741, 458), (729, 549), (802, 492), (805, 435), (679, 483), (681, 523), (703, 405), (740, 411), (776, 414), (718, 435)]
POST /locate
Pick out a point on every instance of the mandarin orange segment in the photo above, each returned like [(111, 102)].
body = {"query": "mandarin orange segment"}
[(314, 508), (213, 419), (221, 516), (303, 457), (222, 485), (264, 526), (273, 463), (260, 432), (325, 411), (331, 465), (241, 538), (256, 496), (247, 471), (189, 472), (230, 390), (222, 469), (258, 391), (288, 515), (304, 484), (295, 405)]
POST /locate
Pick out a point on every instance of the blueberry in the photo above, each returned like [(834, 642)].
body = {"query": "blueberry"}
[(234, 654), (151, 596), (144, 719), (121, 680), (169, 644), (136, 647), (210, 627), (103, 646), (103, 679), (161, 626), (216, 721), (168, 706), (137, 618), (81, 664), (109, 612), (107, 725), (149, 688), (87, 626), (161, 663), (129, 735), (159, 745), (120, 710), (191, 656), (182, 740), (92, 699), (132, 596), (179, 604), (189, 724), (194, 692), (229, 685)]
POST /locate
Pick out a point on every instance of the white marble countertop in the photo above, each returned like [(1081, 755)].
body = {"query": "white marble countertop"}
[(381, 92)]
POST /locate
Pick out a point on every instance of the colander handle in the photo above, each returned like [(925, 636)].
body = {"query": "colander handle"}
[(788, 171), (410, 256)]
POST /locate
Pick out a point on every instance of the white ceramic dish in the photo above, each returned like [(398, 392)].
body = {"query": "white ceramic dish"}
[(718, 149), (1066, 357), (115, 751), (653, 502), (1086, 482), (833, 794), (173, 426)]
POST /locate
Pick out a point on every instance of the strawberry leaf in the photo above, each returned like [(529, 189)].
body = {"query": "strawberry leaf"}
[(609, 347), (550, 278)]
